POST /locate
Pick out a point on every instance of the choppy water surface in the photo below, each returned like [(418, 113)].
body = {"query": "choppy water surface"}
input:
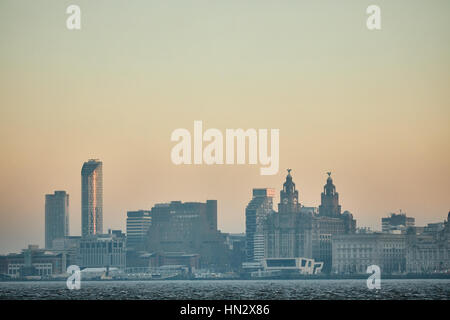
[(229, 289)]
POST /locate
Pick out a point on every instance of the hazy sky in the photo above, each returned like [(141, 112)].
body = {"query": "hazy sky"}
[(373, 107)]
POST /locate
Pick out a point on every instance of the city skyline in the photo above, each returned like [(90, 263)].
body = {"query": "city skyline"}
[(370, 106), (95, 166)]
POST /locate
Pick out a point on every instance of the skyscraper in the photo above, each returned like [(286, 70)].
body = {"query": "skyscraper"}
[(91, 198), (56, 217), (256, 212)]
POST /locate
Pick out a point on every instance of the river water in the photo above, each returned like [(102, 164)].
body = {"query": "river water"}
[(229, 290)]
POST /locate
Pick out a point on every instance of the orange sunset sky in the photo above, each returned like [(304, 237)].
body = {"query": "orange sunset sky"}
[(373, 107)]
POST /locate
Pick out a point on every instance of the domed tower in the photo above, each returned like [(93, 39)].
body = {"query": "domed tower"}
[(330, 200), (289, 196)]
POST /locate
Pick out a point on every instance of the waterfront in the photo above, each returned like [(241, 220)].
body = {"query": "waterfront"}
[(405, 289)]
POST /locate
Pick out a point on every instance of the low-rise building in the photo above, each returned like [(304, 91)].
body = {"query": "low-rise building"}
[(69, 246), (105, 250), (429, 252), (353, 253), (33, 262), (397, 223)]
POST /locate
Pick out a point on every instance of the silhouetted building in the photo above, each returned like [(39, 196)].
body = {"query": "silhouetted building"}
[(69, 247), (429, 252), (33, 262), (56, 217), (236, 245), (397, 223), (289, 202), (191, 261), (191, 228), (434, 228), (103, 250), (138, 223), (353, 253), (299, 232), (91, 198), (329, 200), (256, 213)]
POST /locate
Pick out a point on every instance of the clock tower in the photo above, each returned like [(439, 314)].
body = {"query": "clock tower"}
[(289, 196), (330, 200)]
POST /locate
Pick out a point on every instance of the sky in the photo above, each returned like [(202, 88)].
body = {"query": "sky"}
[(372, 107)]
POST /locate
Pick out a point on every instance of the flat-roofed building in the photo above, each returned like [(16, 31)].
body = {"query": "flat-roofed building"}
[(33, 262), (138, 223), (397, 223), (56, 217), (258, 209), (429, 252), (300, 265), (103, 250), (189, 227), (353, 253)]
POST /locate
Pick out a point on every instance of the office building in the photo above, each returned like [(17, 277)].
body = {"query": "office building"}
[(256, 213), (91, 198), (138, 223), (69, 247), (236, 244), (33, 262), (397, 223), (103, 250), (353, 253), (429, 252), (189, 227), (56, 217)]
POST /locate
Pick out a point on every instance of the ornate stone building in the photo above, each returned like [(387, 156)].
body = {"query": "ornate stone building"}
[(353, 253), (330, 200), (298, 232), (428, 252)]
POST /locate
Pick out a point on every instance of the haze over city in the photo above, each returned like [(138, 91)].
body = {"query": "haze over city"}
[(372, 108)]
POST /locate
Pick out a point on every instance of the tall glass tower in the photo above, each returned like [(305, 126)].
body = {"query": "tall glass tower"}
[(91, 198)]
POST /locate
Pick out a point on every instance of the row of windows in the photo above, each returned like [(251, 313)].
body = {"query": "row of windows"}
[(99, 245)]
